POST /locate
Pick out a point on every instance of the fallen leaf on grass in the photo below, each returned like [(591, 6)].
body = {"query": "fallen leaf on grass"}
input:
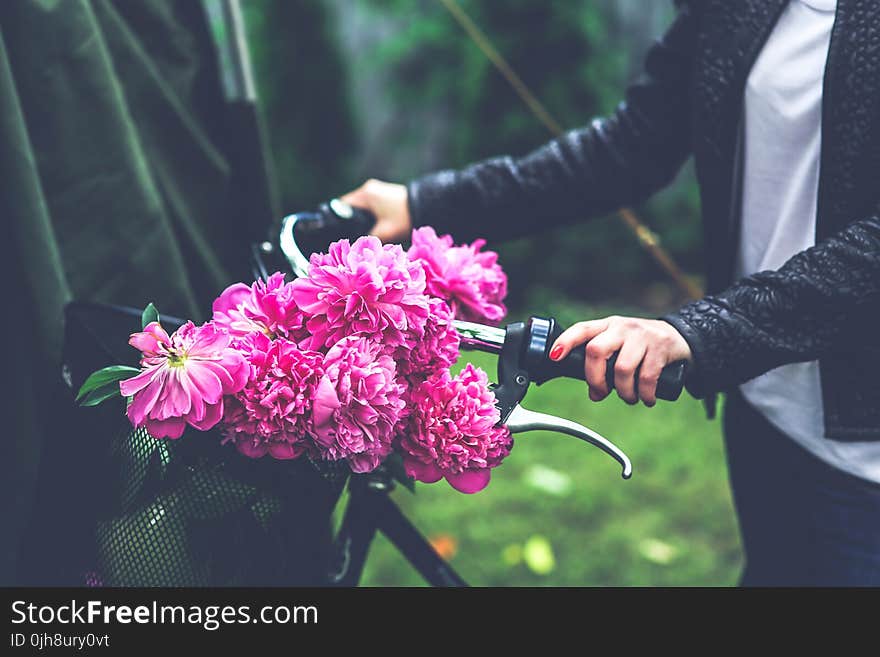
[(538, 555), (512, 554), (548, 480), (444, 544), (657, 551)]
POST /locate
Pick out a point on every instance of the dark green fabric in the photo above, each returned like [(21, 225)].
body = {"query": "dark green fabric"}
[(114, 187)]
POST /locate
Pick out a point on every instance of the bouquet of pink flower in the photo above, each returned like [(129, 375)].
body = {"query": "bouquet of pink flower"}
[(350, 362)]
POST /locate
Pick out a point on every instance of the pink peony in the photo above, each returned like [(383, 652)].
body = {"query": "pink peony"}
[(183, 378), (272, 413), (471, 282), (362, 289), (357, 404), (452, 431), (436, 349), (266, 306)]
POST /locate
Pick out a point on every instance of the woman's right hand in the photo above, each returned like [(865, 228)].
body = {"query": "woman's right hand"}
[(388, 201)]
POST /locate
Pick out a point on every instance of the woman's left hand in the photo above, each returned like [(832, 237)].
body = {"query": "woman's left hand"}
[(646, 345)]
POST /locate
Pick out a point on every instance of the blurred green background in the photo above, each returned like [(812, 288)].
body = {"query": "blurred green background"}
[(557, 512), (391, 89)]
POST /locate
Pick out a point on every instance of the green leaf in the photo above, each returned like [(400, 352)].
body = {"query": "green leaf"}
[(103, 393), (105, 376), (150, 314), (394, 463)]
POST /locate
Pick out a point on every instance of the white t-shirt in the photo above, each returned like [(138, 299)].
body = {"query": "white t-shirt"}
[(782, 143)]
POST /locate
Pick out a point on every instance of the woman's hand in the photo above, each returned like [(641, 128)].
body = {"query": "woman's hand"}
[(644, 344), (388, 201)]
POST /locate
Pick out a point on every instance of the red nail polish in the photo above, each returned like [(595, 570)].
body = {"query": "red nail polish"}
[(556, 352)]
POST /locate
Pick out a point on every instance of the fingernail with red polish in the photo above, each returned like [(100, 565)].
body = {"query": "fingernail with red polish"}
[(556, 352)]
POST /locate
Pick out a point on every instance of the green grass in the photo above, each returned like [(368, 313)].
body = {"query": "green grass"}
[(672, 524)]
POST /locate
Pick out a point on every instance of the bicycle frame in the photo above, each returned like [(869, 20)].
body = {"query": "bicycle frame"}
[(371, 509)]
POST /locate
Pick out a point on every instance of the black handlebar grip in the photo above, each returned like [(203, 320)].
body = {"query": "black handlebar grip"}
[(348, 221), (669, 385), (360, 222), (332, 221)]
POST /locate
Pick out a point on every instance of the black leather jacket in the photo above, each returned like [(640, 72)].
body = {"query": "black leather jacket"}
[(823, 303)]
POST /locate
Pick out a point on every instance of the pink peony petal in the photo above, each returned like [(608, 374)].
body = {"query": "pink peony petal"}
[(238, 368), (149, 340), (285, 450), (252, 448), (469, 481), (364, 462), (178, 399), (208, 342), (146, 343), (170, 428), (129, 387), (222, 373), (213, 415), (231, 297), (428, 473), (142, 403), (206, 383), (325, 403)]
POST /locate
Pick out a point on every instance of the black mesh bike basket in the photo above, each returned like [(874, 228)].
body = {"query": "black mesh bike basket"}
[(186, 512)]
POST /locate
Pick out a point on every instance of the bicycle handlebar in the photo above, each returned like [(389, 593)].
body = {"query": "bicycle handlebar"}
[(541, 334), (523, 349)]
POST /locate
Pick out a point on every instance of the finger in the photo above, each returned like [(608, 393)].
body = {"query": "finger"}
[(576, 335), (599, 350), (631, 354), (385, 232), (357, 198), (652, 365)]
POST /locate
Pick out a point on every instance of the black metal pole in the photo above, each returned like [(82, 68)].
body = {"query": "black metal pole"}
[(412, 544)]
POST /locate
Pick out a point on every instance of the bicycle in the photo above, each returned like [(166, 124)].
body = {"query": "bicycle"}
[(171, 513), (523, 358)]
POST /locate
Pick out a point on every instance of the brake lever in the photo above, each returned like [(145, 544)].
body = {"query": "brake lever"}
[(515, 346), (521, 420)]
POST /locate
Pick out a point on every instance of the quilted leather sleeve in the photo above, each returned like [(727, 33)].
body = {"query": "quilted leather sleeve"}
[(817, 303), (618, 160)]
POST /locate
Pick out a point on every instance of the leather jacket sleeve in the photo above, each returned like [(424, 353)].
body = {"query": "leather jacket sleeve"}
[(618, 160), (817, 303)]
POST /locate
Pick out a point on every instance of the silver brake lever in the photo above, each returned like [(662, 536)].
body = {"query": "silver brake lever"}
[(522, 419)]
